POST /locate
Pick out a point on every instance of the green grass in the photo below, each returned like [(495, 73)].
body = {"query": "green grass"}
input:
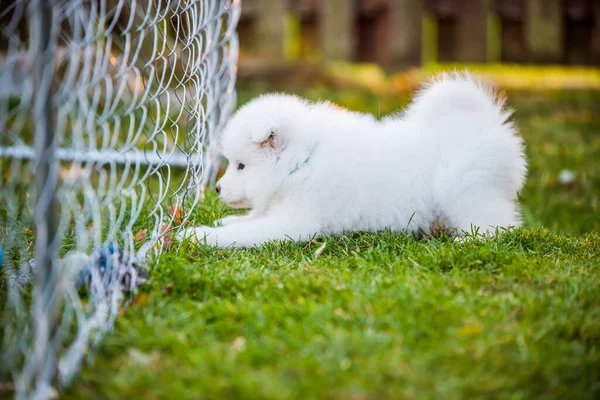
[(384, 315)]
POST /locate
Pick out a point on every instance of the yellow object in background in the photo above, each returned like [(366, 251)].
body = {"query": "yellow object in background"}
[(292, 37)]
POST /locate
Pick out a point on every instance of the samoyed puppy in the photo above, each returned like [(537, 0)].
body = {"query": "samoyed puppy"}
[(451, 162)]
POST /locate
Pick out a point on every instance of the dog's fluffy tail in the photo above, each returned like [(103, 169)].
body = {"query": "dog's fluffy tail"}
[(457, 92), (481, 163), (462, 102)]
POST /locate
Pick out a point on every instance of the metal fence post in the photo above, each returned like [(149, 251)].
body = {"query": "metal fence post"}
[(45, 212)]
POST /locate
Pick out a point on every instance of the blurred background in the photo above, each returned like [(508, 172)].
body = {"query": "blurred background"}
[(401, 33), (288, 40), (370, 56)]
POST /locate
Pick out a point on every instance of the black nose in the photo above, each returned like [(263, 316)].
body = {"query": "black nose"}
[(218, 189)]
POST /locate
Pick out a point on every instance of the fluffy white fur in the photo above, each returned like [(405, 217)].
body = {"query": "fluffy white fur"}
[(451, 162)]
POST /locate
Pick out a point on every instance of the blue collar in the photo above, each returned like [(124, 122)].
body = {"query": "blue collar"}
[(298, 166)]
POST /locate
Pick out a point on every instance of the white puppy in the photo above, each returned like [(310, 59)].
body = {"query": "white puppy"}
[(450, 163)]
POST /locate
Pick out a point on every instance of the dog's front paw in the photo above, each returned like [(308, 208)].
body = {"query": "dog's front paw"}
[(200, 234), (206, 234), (227, 220), (223, 221)]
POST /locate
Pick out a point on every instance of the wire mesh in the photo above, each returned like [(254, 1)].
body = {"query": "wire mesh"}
[(109, 111)]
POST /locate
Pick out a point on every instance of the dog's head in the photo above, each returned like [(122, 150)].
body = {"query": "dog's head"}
[(264, 142)]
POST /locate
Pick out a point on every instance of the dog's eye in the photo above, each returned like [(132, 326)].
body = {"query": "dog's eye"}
[(241, 166)]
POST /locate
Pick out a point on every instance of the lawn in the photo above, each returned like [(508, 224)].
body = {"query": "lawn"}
[(384, 315)]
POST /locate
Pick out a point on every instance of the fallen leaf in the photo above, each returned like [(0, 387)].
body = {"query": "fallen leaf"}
[(175, 212), (166, 238), (140, 235), (320, 250)]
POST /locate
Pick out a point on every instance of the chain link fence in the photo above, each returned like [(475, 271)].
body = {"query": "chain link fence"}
[(109, 111)]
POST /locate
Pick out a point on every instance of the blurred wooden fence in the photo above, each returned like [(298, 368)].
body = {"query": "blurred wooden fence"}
[(411, 32)]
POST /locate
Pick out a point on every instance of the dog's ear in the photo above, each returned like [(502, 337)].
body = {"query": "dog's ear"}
[(271, 141)]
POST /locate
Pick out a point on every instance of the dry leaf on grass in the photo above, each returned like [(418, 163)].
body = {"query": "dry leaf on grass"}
[(175, 212), (320, 250), (166, 238), (140, 236)]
